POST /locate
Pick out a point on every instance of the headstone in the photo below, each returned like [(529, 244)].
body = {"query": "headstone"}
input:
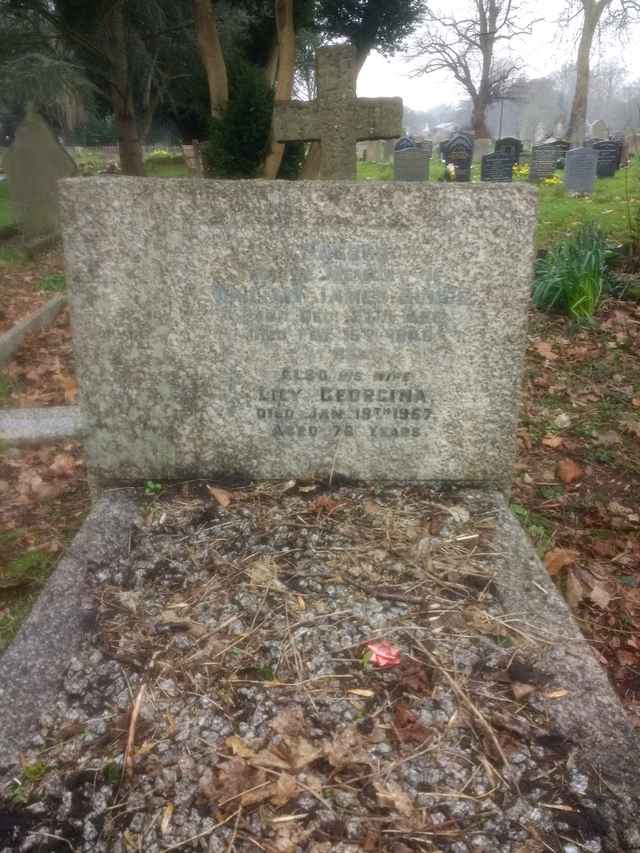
[(600, 130), (343, 336), (337, 118), (544, 161), (459, 152), (405, 143), (580, 170), (34, 164), (608, 157), (427, 146), (411, 164), (619, 138), (496, 168), (510, 146)]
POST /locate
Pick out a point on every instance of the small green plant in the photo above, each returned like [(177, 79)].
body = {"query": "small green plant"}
[(33, 773), (152, 488), (52, 283), (6, 386), (574, 276)]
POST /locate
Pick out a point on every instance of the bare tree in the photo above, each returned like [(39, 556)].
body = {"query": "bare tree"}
[(466, 47), (595, 14)]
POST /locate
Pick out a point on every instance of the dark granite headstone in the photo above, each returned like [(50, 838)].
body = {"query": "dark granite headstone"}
[(497, 168), (510, 146), (411, 164), (580, 170), (608, 157), (405, 143), (460, 155)]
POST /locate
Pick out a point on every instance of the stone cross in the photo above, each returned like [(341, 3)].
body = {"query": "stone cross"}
[(337, 118)]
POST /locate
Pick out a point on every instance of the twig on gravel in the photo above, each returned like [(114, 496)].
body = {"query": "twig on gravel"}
[(234, 834), (202, 834), (466, 700), (127, 764)]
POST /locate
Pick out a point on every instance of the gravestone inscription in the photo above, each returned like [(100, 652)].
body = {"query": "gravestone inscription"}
[(580, 170), (411, 164), (496, 168), (34, 164), (337, 118), (608, 157), (369, 346)]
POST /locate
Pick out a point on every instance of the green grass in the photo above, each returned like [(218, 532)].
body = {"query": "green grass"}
[(559, 214), (52, 283), (6, 214), (20, 584), (172, 167)]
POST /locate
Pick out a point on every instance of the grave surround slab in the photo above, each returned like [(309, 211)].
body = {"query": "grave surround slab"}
[(333, 345)]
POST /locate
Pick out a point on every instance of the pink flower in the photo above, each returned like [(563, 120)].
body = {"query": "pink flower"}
[(383, 654)]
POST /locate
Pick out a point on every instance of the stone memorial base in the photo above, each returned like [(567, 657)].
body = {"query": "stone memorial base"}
[(292, 667)]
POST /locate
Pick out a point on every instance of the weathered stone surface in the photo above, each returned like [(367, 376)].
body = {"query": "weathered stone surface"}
[(278, 329), (337, 118), (580, 170), (40, 426), (411, 164), (34, 164), (32, 667)]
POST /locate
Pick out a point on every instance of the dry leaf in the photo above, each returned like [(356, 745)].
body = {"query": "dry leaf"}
[(63, 465), (239, 747), (324, 504), (569, 471), (301, 752), (543, 348), (521, 691), (166, 818), (346, 748), (291, 721), (556, 694), (264, 572), (600, 596), (366, 694), (631, 425), (552, 441), (559, 558), (284, 789), (391, 795), (223, 497), (575, 591)]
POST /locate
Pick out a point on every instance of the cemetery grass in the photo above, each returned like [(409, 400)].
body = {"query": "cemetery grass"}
[(610, 207), (6, 214)]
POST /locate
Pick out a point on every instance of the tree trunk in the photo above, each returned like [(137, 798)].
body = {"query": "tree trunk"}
[(478, 118), (577, 124), (311, 167), (286, 70), (211, 54), (131, 159)]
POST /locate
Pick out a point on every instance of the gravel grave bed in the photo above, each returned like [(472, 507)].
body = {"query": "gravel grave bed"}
[(289, 668)]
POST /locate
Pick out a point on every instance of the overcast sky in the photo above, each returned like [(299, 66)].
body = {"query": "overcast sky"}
[(547, 49)]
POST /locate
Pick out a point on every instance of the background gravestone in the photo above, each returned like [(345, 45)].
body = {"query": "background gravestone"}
[(411, 164), (600, 130), (459, 152), (352, 338), (580, 170), (510, 146), (608, 158), (34, 164), (405, 143), (497, 168), (544, 160)]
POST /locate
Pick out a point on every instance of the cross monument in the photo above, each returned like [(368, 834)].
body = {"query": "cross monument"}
[(337, 118)]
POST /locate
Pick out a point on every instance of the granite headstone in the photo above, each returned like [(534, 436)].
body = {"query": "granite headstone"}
[(580, 170), (510, 146), (411, 164), (459, 153), (544, 160), (34, 164), (608, 158), (351, 339), (497, 168)]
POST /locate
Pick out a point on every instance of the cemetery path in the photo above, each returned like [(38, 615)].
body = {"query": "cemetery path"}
[(577, 481)]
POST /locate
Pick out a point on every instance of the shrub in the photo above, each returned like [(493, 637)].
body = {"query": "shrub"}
[(573, 277), (239, 140)]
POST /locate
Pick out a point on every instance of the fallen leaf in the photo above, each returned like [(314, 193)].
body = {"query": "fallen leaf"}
[(284, 789), (391, 795), (63, 465), (347, 747), (559, 558), (600, 596), (264, 572), (569, 471), (291, 721), (556, 694), (366, 694), (608, 439), (384, 654), (324, 503), (222, 496), (575, 590), (544, 349), (521, 691), (553, 441), (631, 425)]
